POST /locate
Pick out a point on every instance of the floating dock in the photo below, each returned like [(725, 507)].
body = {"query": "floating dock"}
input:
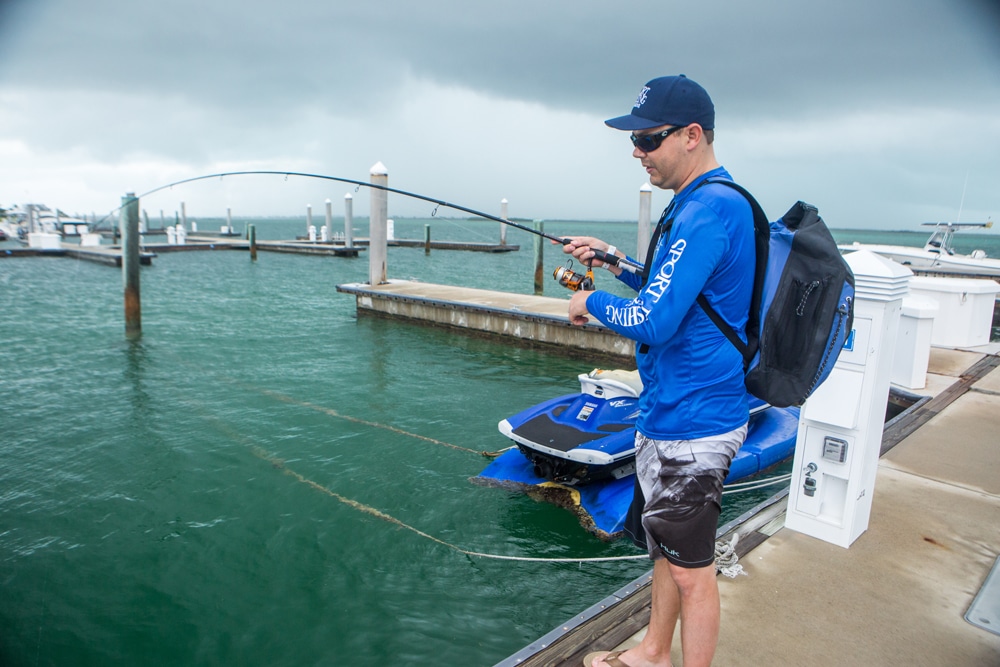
[(534, 320), (107, 255), (447, 245), (907, 592)]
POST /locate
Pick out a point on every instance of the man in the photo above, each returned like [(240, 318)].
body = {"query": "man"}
[(693, 409)]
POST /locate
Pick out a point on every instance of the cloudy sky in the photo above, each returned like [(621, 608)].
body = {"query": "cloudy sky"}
[(883, 113)]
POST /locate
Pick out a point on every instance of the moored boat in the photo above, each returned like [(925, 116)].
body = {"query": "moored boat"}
[(938, 255)]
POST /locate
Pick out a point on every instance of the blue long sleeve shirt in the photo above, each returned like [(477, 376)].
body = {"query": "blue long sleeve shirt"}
[(692, 375)]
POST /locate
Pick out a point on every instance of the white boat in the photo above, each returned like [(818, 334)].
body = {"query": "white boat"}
[(937, 255), (40, 218)]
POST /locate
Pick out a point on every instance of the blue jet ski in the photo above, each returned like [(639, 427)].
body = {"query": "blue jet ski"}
[(587, 437), (578, 450)]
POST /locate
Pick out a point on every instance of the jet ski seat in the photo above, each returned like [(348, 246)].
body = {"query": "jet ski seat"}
[(609, 384)]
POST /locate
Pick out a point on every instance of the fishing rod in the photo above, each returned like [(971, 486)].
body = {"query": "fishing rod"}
[(564, 275)]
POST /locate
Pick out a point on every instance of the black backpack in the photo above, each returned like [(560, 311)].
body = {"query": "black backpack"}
[(802, 308)]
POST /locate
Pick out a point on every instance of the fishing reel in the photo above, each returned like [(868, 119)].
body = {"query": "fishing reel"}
[(567, 277)]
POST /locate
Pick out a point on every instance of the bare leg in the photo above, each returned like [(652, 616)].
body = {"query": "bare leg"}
[(654, 649), (691, 595), (699, 613)]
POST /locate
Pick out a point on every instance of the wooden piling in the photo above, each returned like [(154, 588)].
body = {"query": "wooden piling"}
[(329, 221), (427, 239), (539, 252), (377, 226), (252, 237), (645, 205), (503, 226), (129, 223), (348, 220)]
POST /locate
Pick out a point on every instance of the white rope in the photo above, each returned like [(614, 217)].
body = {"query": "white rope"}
[(551, 560), (777, 478), (725, 555), (757, 484), (726, 560)]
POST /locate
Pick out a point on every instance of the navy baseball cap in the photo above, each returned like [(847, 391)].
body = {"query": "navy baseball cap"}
[(668, 100)]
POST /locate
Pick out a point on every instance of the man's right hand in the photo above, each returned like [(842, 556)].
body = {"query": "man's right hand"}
[(582, 248)]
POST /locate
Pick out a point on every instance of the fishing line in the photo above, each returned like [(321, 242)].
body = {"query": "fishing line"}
[(279, 464), (624, 263)]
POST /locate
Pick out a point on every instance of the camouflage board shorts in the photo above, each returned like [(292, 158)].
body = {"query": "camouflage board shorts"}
[(679, 495)]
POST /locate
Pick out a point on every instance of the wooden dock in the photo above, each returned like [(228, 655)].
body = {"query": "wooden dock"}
[(532, 320), (196, 242), (107, 255), (447, 245)]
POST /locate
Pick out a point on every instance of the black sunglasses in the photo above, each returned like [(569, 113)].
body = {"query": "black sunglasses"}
[(648, 143)]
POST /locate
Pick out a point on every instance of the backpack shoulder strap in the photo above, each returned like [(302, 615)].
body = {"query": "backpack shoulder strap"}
[(762, 239)]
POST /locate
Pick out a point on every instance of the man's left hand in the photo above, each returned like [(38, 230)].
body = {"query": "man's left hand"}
[(578, 307)]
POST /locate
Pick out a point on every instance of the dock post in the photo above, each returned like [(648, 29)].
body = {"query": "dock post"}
[(229, 220), (329, 221), (184, 216), (645, 206), (129, 222), (378, 221), (539, 268), (252, 237), (427, 239), (348, 220), (503, 226), (309, 221)]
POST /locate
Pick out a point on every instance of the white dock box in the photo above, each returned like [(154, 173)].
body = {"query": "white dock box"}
[(913, 342), (44, 240), (965, 309)]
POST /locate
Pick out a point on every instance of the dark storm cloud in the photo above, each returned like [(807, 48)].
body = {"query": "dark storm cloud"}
[(760, 57), (879, 110)]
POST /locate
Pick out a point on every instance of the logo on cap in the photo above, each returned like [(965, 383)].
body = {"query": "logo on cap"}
[(639, 101)]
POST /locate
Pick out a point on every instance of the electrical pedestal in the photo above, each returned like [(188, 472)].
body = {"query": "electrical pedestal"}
[(840, 426)]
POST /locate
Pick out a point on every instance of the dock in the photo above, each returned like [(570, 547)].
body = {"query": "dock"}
[(196, 242), (447, 245), (107, 255), (533, 320), (898, 596), (111, 254)]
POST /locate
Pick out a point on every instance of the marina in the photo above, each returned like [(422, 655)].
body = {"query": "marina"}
[(250, 442)]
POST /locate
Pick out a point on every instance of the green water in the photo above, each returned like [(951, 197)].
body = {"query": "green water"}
[(204, 496)]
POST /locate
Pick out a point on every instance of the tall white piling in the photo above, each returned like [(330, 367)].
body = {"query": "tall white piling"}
[(348, 220), (503, 227), (129, 221), (309, 219), (229, 220), (378, 218), (645, 208), (184, 216), (329, 221)]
